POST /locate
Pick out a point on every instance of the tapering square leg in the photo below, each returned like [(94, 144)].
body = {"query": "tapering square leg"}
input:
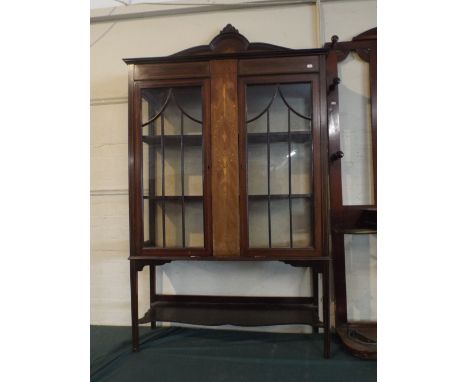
[(326, 308), (134, 305), (315, 296), (152, 290)]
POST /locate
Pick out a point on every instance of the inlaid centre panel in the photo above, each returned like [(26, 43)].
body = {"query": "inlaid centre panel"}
[(224, 158)]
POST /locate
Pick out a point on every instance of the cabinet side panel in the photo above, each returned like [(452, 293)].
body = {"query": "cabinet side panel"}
[(224, 158), (131, 161)]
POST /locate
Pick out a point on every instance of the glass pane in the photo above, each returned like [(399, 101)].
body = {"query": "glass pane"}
[(258, 125), (299, 124), (172, 170), (146, 166), (146, 221), (173, 220), (279, 165), (355, 134), (301, 222), (189, 101), (152, 227), (172, 119), (194, 223), (301, 165), (160, 223), (361, 277), (152, 169), (278, 114), (258, 223), (279, 168), (258, 99), (193, 169), (153, 102), (298, 98), (280, 233), (172, 167), (158, 169), (145, 113), (257, 166)]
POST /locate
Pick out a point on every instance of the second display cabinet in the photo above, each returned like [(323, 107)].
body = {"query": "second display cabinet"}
[(228, 161)]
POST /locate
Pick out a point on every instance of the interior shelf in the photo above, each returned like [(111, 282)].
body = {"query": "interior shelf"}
[(296, 136), (225, 310), (189, 139), (279, 196), (175, 197), (356, 231)]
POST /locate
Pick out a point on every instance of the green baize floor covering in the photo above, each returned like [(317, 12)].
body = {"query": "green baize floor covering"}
[(173, 354)]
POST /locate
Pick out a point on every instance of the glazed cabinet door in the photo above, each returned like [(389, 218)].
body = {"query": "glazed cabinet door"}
[(172, 147), (280, 156)]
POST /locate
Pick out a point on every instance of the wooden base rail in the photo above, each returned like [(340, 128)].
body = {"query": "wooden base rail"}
[(233, 310)]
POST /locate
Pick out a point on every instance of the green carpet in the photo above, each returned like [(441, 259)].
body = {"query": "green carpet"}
[(205, 355)]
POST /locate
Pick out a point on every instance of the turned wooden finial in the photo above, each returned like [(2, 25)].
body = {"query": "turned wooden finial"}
[(229, 28), (334, 40), (229, 40)]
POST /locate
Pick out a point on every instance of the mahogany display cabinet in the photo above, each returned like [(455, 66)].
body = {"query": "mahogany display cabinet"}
[(228, 161)]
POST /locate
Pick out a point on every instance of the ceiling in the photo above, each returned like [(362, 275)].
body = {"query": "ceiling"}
[(98, 4)]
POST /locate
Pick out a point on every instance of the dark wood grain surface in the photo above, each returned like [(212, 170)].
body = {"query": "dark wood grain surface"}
[(307, 64), (172, 70), (225, 158)]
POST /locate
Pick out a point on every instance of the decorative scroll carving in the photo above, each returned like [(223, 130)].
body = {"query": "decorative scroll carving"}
[(140, 264), (229, 29), (229, 40), (370, 34), (362, 44), (364, 54)]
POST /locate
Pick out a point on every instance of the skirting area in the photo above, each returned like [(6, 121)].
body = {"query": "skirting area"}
[(185, 354)]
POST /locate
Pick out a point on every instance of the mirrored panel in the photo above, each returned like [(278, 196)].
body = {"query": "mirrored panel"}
[(172, 126), (355, 132), (361, 277)]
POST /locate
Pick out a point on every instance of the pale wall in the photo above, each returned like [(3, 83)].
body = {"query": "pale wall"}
[(110, 298)]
